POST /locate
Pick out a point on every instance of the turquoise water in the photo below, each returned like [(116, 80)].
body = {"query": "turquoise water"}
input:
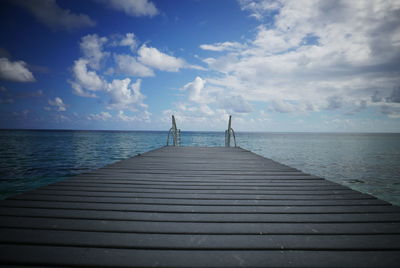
[(366, 162)]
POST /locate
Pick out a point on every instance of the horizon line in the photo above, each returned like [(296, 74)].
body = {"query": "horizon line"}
[(216, 131)]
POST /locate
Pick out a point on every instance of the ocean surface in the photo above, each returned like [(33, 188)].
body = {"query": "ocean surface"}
[(369, 163)]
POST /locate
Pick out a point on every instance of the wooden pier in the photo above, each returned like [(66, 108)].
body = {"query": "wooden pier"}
[(198, 207)]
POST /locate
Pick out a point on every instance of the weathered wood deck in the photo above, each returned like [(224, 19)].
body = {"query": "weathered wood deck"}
[(198, 207)]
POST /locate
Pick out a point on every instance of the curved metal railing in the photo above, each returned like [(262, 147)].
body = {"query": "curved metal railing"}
[(228, 133), (175, 133)]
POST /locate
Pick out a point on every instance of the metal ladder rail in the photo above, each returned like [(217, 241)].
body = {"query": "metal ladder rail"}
[(228, 133), (176, 134)]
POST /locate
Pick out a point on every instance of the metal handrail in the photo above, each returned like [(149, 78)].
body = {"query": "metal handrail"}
[(228, 133), (176, 134)]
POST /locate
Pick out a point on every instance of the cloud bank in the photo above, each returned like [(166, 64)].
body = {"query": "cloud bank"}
[(102, 58), (314, 56)]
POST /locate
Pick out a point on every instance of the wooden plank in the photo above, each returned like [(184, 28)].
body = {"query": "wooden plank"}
[(209, 242), (262, 183), (190, 201), (353, 196), (203, 208), (201, 217), (200, 191), (102, 257), (241, 178), (229, 228), (202, 187), (198, 172), (191, 181)]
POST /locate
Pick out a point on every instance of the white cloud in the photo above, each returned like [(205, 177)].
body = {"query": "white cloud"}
[(235, 104), (58, 104), (283, 106), (201, 117), (130, 41), (206, 110), (15, 71), (122, 116), (92, 48), (315, 55), (142, 117), (156, 59), (205, 103), (259, 8), (195, 89), (134, 8), (55, 17), (225, 46), (85, 80), (208, 106), (125, 95), (89, 72), (103, 116), (91, 75), (130, 66)]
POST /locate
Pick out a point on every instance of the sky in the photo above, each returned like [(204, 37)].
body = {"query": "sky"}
[(274, 65)]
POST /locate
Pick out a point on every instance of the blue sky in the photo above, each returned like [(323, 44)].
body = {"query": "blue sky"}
[(330, 66)]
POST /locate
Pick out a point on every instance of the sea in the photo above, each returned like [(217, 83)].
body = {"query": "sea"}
[(367, 162)]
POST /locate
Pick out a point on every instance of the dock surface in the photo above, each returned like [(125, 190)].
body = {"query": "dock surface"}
[(198, 207)]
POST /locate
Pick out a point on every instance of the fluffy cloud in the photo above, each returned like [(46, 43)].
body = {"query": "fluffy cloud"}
[(130, 66), (308, 56), (58, 104), (16, 71), (225, 46), (55, 17), (235, 104), (205, 103), (195, 89), (259, 8), (91, 77), (129, 40), (314, 55), (92, 49), (85, 80), (207, 107), (103, 116), (122, 94), (88, 71), (123, 117), (143, 117), (154, 58), (134, 8), (125, 95)]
